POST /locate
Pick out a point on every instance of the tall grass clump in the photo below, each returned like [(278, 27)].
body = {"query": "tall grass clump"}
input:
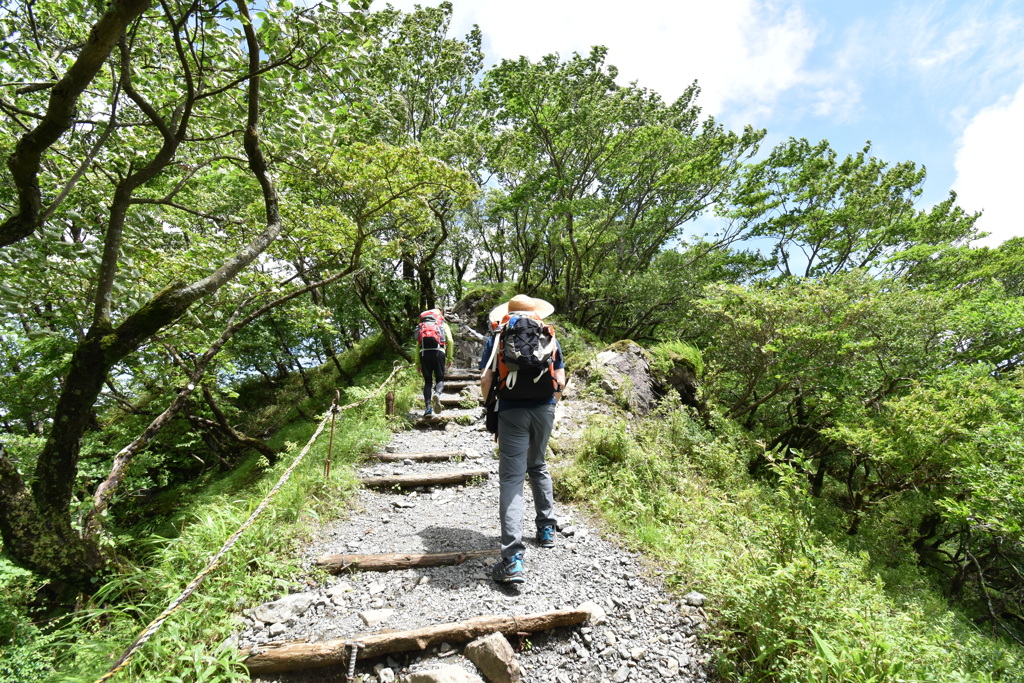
[(791, 601), (667, 355)]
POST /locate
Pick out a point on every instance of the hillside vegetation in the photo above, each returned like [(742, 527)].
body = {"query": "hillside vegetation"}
[(214, 215)]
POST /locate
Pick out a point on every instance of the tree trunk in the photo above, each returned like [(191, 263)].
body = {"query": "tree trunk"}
[(42, 539)]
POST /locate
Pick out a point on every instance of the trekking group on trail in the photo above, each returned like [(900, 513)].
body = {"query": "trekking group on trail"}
[(522, 381)]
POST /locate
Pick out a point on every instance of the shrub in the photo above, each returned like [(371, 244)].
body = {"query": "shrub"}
[(790, 602)]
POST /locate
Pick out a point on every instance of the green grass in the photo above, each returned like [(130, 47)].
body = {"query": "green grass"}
[(790, 603), (195, 643), (667, 354)]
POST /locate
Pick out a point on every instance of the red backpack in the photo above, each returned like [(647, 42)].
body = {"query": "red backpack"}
[(430, 331)]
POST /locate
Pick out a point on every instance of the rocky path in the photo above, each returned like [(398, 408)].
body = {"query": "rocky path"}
[(645, 633)]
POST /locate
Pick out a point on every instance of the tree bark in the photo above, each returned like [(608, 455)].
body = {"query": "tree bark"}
[(40, 538), (295, 656), (397, 561)]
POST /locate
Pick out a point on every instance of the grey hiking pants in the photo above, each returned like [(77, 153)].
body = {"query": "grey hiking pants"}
[(523, 435)]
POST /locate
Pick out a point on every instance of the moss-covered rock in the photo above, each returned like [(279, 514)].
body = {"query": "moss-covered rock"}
[(622, 371), (677, 365)]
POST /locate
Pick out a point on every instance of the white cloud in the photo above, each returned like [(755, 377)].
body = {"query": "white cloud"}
[(743, 53), (933, 40), (988, 168)]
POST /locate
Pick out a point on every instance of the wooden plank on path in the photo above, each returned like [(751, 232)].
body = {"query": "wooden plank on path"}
[(420, 456), (297, 655), (395, 561), (404, 481), (463, 373)]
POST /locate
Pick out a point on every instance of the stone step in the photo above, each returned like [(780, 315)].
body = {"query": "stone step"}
[(462, 375)]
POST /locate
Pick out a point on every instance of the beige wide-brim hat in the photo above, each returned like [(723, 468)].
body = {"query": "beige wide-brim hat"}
[(522, 304)]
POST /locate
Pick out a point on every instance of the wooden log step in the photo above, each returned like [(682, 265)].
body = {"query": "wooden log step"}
[(396, 561), (299, 655), (462, 416), (420, 456), (408, 481), (452, 400), (459, 384)]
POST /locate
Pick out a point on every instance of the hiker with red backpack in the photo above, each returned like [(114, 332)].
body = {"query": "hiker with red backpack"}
[(526, 372), (434, 349)]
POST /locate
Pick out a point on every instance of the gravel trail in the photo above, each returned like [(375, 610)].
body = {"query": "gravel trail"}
[(649, 634)]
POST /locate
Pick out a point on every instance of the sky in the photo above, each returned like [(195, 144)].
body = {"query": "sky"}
[(937, 83)]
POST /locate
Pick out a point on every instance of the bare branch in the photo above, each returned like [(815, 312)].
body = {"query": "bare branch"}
[(34, 87), (87, 161)]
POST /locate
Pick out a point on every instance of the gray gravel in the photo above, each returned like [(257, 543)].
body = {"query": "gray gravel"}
[(650, 634)]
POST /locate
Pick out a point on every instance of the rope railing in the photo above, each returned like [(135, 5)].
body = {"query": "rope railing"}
[(154, 626)]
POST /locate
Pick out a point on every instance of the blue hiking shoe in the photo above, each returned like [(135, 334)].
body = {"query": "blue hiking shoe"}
[(546, 537), (428, 412), (509, 570)]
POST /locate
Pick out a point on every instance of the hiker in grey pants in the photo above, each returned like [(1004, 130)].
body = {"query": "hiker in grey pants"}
[(523, 435), (524, 427)]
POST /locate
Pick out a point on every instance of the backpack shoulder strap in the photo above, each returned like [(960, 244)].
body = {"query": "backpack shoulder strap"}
[(492, 362)]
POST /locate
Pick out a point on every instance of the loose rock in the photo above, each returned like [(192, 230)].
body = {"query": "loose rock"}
[(448, 674), (494, 657)]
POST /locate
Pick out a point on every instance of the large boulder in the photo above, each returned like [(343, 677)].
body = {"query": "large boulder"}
[(636, 379), (623, 372), (469, 342), (677, 370)]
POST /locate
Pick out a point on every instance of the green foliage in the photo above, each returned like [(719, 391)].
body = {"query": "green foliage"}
[(26, 651), (790, 602), (260, 567), (595, 180), (829, 344), (826, 215)]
